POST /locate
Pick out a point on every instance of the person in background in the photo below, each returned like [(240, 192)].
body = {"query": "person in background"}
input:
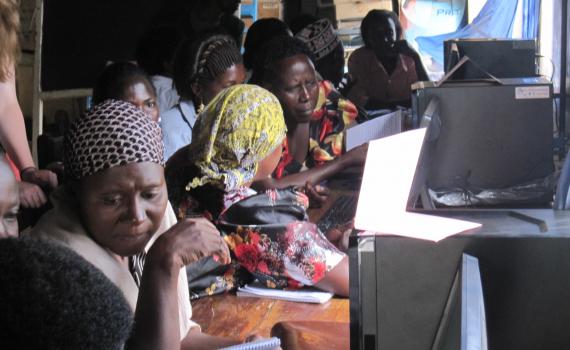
[(259, 34), (327, 49), (114, 212), (128, 82), (238, 140), (298, 23), (155, 54), (13, 140), (51, 298), (316, 117), (201, 70), (9, 201), (386, 67)]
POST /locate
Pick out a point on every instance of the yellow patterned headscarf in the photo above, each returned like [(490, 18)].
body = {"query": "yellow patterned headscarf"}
[(236, 130)]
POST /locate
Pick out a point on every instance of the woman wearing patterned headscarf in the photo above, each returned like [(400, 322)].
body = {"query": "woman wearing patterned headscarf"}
[(238, 139), (115, 213)]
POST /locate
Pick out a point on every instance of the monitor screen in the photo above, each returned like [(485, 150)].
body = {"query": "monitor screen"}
[(500, 58)]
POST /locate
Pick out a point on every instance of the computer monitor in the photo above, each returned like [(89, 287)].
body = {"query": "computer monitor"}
[(502, 58), (483, 136)]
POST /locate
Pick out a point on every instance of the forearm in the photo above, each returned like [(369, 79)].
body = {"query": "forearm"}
[(314, 175), (12, 127), (196, 340), (157, 317)]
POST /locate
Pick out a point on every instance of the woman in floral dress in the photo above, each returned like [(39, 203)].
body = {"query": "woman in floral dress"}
[(238, 139)]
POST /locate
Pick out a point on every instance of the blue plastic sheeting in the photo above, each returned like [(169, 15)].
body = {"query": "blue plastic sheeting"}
[(492, 22), (531, 13)]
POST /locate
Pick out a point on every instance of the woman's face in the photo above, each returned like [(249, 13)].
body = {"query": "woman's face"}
[(122, 207), (232, 76), (296, 87), (383, 35), (141, 95), (267, 166), (9, 202)]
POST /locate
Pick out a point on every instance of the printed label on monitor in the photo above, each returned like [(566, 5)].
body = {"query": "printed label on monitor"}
[(532, 92)]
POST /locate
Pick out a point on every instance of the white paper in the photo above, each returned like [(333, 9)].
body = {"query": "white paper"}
[(300, 295), (388, 175), (385, 125)]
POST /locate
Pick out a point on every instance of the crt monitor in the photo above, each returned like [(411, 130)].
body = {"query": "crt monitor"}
[(484, 136), (501, 58)]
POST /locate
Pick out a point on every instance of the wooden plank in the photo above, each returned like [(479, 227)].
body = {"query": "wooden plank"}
[(231, 316)]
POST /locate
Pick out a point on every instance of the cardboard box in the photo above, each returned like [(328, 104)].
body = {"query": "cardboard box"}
[(346, 9), (269, 9)]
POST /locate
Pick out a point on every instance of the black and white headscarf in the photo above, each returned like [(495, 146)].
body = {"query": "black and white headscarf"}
[(113, 133)]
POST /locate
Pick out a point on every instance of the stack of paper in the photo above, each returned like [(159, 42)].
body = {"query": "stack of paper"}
[(389, 172), (379, 127), (298, 295)]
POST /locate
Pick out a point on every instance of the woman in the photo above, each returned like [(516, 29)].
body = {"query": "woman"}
[(385, 68), (238, 140), (315, 115), (13, 141), (9, 201), (128, 82), (115, 213), (201, 70)]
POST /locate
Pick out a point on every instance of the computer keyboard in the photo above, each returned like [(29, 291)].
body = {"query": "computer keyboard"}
[(340, 212)]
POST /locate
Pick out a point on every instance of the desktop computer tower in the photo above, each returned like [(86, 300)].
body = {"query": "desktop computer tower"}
[(485, 135), (399, 287)]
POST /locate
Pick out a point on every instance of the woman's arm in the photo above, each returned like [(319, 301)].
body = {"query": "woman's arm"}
[(14, 140), (157, 324), (353, 158), (12, 128)]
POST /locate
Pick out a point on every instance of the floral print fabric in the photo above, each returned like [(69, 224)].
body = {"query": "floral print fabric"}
[(326, 131)]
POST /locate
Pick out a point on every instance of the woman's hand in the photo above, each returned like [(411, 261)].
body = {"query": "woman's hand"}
[(189, 241), (318, 194), (31, 195)]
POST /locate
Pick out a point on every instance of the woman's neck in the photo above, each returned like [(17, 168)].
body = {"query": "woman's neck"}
[(298, 141)]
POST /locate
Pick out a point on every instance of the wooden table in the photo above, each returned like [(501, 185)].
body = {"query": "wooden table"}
[(231, 316)]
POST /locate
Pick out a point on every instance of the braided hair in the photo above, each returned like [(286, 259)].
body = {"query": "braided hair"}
[(202, 61)]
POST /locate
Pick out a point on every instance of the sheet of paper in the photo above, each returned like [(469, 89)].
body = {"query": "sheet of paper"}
[(386, 125), (300, 295), (388, 176)]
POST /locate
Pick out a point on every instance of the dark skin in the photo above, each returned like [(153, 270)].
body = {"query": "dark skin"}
[(234, 75), (295, 85), (122, 208), (383, 41)]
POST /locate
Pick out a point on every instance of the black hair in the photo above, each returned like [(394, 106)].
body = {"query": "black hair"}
[(374, 18), (52, 298), (259, 34), (331, 66), (279, 49), (115, 78), (301, 21), (156, 49), (203, 61)]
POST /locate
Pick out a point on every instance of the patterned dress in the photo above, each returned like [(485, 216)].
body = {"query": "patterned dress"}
[(268, 233), (326, 131)]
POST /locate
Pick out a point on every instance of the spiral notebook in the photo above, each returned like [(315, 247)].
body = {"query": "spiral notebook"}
[(264, 344)]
